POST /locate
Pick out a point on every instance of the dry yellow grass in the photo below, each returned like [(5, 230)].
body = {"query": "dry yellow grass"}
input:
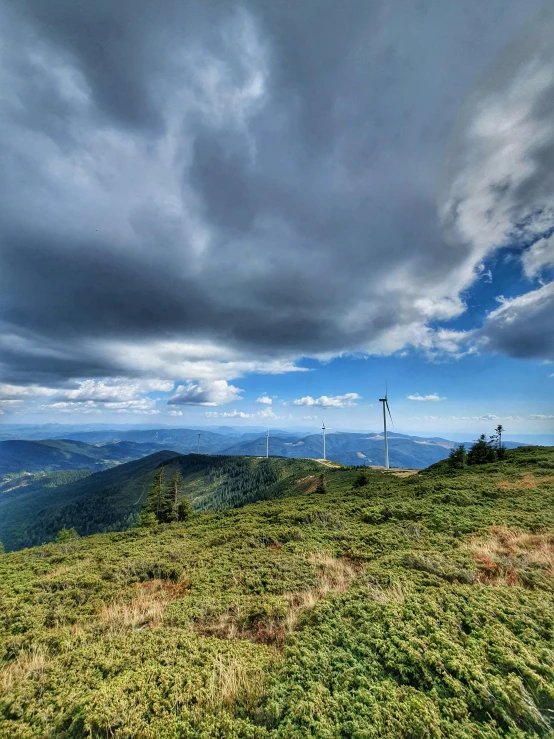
[(334, 576), (231, 680), (394, 593), (27, 663), (146, 608), (500, 553), (307, 484), (525, 482)]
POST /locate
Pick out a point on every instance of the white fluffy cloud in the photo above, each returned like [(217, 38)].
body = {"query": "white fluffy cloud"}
[(538, 256), (117, 395), (266, 413), (218, 392), (433, 397), (24, 392), (227, 414), (111, 390), (141, 406), (326, 401), (264, 400)]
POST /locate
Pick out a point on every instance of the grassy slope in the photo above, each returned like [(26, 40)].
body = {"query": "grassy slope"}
[(412, 607)]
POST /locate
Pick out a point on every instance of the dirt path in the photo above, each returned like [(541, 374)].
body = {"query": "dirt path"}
[(397, 471)]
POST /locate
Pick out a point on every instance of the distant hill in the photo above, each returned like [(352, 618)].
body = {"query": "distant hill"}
[(351, 448), (50, 455), (110, 500), (45, 464)]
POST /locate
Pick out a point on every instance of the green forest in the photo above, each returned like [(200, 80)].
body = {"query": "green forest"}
[(358, 603), (112, 500)]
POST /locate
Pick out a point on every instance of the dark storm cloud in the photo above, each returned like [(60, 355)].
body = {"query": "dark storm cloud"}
[(260, 175), (523, 327)]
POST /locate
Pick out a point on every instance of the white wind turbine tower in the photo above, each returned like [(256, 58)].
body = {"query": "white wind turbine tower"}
[(385, 402), (267, 445), (323, 431), (199, 435)]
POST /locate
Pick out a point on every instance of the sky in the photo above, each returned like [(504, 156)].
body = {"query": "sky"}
[(265, 212)]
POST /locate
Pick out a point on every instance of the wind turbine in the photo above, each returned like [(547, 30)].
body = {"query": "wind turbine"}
[(267, 445), (199, 435), (385, 402), (323, 430)]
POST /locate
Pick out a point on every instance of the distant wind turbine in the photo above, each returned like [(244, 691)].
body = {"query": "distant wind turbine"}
[(199, 435), (267, 445), (323, 431), (385, 402)]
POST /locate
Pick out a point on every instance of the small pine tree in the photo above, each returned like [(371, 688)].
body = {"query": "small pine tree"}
[(184, 510), (362, 480), (146, 519), (174, 493), (322, 484), (157, 499), (481, 452), (65, 535), (1, 548), (457, 457), (497, 441)]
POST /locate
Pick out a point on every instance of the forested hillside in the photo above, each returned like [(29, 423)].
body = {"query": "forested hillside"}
[(111, 500), (21, 457), (103, 501), (364, 605)]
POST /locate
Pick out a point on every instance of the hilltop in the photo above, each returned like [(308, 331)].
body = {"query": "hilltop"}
[(417, 607)]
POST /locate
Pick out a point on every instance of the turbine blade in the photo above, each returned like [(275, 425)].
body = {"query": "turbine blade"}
[(387, 404)]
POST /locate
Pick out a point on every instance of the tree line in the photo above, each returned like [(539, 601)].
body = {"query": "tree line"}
[(482, 451)]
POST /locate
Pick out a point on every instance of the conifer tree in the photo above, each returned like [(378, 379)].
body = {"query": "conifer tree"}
[(497, 440), (156, 501), (184, 510), (457, 457), (482, 452), (174, 493), (64, 535)]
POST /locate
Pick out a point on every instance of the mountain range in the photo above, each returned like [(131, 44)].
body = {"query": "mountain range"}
[(101, 448), (97, 480)]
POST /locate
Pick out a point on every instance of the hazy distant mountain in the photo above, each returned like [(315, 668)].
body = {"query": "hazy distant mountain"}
[(50, 455), (98, 448), (351, 448)]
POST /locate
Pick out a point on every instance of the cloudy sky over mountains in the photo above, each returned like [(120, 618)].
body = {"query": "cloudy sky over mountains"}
[(208, 203)]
